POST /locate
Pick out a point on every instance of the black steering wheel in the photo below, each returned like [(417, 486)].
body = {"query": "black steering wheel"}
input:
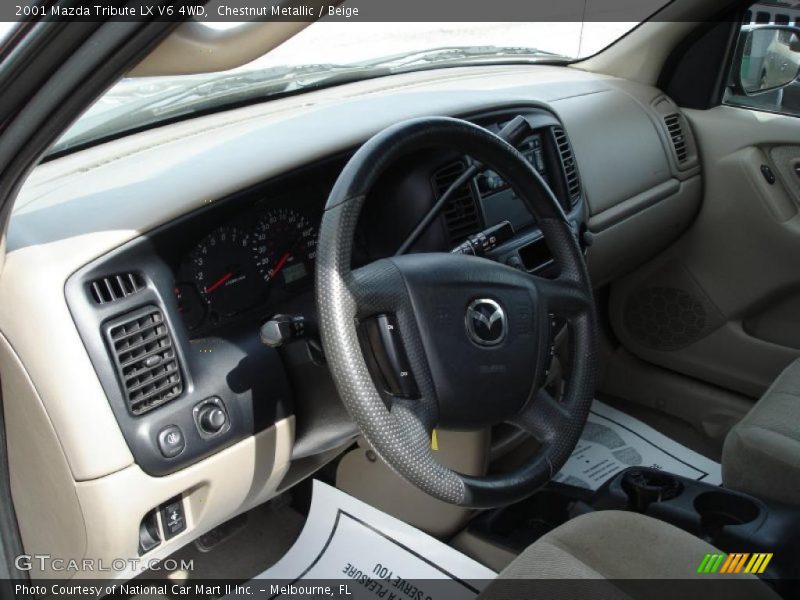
[(476, 334)]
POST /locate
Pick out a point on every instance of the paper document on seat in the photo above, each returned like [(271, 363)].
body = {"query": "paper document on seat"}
[(613, 441), (347, 542)]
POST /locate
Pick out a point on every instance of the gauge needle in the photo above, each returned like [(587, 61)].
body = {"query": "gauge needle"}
[(281, 262), (218, 282)]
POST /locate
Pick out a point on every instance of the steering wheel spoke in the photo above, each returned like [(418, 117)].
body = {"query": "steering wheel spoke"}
[(377, 288), (542, 416), (562, 297)]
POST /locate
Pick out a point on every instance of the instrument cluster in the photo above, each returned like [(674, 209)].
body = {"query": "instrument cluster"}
[(244, 264)]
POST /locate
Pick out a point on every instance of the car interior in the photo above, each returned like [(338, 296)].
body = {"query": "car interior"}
[(412, 287)]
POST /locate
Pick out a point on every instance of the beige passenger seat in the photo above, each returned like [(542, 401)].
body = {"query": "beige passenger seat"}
[(761, 455)]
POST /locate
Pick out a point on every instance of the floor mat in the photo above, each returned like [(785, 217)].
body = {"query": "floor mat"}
[(347, 542), (613, 441), (671, 426)]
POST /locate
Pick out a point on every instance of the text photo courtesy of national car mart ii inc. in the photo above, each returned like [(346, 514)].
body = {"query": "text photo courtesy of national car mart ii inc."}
[(186, 590)]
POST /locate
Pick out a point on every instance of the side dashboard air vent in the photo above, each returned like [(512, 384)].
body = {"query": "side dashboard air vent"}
[(568, 163), (145, 359), (461, 214), (673, 123), (113, 287)]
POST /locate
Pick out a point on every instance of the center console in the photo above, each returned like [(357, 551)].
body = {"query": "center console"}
[(732, 522)]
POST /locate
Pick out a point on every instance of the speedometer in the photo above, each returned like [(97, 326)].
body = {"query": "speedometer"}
[(284, 246)]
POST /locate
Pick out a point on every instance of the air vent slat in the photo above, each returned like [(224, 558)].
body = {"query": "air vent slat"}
[(675, 130), (153, 340), (129, 340), (146, 362), (114, 287), (152, 378), (461, 215), (569, 166), (147, 373), (154, 397), (135, 359)]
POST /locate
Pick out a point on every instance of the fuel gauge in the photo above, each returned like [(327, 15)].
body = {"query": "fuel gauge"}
[(191, 307)]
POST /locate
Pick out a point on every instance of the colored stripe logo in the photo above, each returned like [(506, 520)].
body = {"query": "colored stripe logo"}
[(736, 562)]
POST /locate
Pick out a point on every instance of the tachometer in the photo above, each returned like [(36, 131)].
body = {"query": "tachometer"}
[(225, 273), (284, 246)]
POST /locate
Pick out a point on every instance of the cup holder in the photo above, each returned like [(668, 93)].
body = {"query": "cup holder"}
[(719, 509), (646, 486)]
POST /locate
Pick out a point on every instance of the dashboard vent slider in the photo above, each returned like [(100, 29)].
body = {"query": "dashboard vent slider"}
[(145, 359), (568, 163), (673, 123), (461, 214)]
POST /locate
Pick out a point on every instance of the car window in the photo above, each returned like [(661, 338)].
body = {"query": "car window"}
[(767, 58)]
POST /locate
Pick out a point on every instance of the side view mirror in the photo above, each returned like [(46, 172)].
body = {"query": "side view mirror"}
[(768, 58)]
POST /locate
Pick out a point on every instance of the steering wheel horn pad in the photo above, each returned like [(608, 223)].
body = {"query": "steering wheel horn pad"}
[(475, 382), (477, 334)]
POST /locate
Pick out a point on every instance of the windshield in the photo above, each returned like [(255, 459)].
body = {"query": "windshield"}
[(329, 53)]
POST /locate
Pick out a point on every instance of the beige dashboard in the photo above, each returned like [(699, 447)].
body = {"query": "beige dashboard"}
[(76, 488)]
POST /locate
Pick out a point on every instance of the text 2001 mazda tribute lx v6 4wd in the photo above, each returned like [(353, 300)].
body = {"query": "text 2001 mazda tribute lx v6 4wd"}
[(388, 306)]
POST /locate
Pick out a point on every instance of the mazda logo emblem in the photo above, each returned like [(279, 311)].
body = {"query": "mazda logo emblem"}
[(486, 322)]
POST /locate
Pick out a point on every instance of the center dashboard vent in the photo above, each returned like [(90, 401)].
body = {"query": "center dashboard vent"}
[(569, 165), (144, 356), (461, 215), (673, 123), (113, 287)]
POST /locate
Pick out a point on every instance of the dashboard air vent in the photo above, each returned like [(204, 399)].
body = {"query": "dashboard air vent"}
[(461, 214), (673, 123), (145, 359), (113, 287), (570, 166)]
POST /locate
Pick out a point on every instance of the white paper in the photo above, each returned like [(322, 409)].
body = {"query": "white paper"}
[(613, 441), (370, 551)]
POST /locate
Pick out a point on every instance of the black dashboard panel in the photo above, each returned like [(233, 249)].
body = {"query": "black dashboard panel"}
[(240, 258), (230, 367), (218, 273)]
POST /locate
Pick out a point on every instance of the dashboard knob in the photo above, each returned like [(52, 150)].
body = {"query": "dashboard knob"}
[(212, 419)]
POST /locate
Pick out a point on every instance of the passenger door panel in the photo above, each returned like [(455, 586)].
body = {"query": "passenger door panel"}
[(722, 304)]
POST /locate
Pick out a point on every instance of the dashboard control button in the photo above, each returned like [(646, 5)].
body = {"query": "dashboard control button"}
[(769, 176), (389, 356), (171, 441), (282, 329), (487, 240), (173, 517), (211, 417)]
